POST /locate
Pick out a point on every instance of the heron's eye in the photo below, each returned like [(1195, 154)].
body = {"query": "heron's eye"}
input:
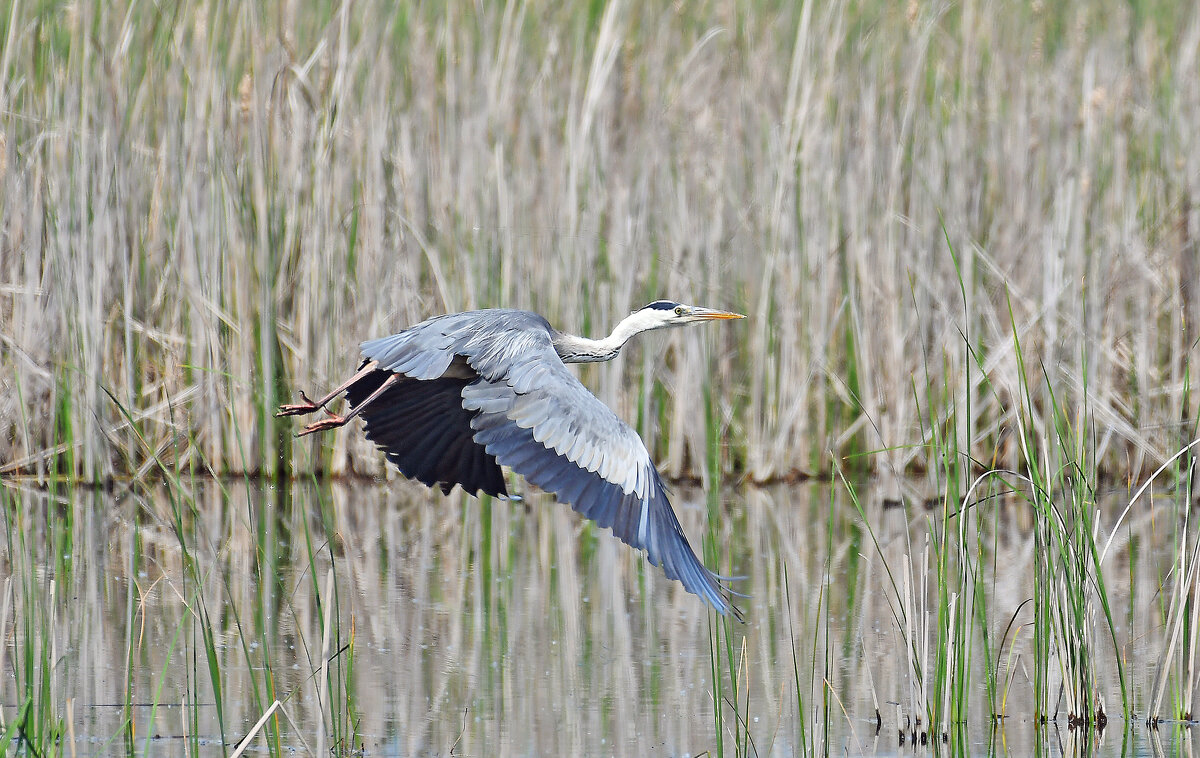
[(679, 310)]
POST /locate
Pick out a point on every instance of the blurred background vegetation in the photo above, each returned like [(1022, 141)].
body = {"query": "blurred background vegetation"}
[(947, 221)]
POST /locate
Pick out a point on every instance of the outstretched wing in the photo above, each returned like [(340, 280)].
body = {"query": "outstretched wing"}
[(532, 415)]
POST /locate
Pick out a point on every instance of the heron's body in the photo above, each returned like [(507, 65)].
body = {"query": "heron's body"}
[(453, 398)]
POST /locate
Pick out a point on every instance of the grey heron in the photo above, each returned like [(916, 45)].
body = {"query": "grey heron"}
[(454, 397)]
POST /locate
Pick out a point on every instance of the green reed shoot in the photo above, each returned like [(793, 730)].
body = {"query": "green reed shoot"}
[(732, 706), (1069, 595), (38, 723)]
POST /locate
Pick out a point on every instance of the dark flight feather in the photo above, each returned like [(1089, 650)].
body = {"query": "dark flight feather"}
[(425, 431)]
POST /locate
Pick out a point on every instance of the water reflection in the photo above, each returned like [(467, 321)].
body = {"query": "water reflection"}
[(404, 623)]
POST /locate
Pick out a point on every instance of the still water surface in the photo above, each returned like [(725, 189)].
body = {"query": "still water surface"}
[(494, 628)]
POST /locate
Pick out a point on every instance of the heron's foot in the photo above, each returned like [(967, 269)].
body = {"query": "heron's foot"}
[(298, 409), (332, 422)]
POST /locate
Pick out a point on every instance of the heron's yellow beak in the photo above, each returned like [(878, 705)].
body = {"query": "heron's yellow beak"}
[(708, 313)]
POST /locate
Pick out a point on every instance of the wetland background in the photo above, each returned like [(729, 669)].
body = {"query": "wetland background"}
[(965, 237)]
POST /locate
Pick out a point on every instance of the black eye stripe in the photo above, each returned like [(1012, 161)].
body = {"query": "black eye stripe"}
[(661, 305)]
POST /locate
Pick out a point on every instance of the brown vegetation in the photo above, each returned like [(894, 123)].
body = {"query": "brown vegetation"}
[(205, 207)]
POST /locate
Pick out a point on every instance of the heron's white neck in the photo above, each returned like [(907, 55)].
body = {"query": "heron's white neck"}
[(575, 349)]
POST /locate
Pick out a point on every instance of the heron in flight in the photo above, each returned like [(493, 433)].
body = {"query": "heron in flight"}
[(455, 397)]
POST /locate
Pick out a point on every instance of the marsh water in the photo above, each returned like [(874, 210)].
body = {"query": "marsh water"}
[(394, 621)]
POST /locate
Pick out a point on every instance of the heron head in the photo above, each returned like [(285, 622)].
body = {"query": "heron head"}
[(663, 313)]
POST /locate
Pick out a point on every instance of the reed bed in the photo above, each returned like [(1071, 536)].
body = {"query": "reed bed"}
[(206, 206)]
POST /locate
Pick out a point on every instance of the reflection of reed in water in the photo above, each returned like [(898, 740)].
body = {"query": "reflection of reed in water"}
[(508, 628)]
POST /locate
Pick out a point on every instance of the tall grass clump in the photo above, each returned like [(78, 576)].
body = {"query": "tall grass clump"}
[(1070, 602), (30, 606), (1176, 673), (1173, 690)]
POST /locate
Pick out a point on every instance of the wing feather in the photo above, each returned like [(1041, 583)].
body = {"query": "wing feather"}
[(424, 430), (561, 438)]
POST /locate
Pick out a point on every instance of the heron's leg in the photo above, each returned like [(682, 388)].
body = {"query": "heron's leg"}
[(308, 406), (334, 420)]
